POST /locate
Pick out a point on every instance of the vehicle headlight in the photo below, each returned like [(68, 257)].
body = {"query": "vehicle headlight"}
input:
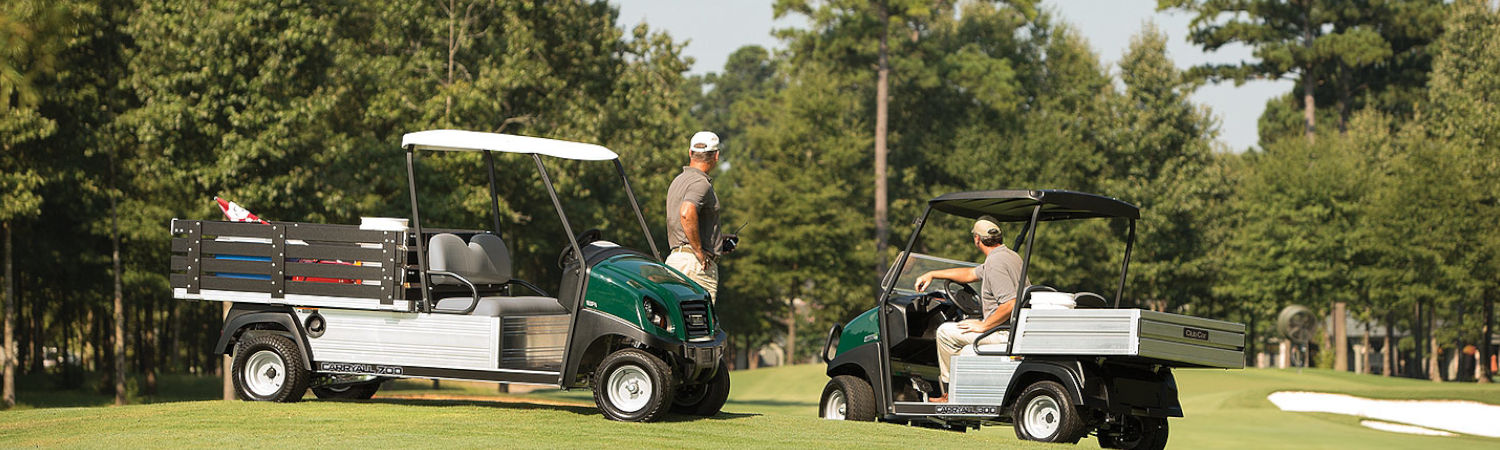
[(656, 313)]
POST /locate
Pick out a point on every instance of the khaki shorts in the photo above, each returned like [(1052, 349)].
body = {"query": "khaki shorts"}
[(687, 263)]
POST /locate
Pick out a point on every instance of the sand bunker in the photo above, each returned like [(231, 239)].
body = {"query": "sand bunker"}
[(1465, 417), (1399, 428)]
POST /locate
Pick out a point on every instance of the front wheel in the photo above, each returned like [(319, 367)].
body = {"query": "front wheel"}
[(633, 386), (268, 368), (1043, 413), (705, 399), (847, 397)]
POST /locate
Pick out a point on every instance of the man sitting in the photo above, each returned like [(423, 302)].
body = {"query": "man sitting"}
[(999, 276)]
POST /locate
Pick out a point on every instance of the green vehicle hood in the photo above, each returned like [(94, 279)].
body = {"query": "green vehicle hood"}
[(619, 285), (862, 330)]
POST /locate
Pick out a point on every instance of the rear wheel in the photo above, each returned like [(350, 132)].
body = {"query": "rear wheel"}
[(633, 386), (704, 399), (268, 368), (847, 397), (362, 391), (1043, 413)]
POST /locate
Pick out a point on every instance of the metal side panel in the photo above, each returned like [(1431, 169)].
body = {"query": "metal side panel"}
[(981, 380), (1199, 355), (408, 339), (295, 300), (1077, 332), (534, 342)]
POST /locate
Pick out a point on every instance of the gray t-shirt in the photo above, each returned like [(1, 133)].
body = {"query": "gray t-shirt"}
[(998, 276), (695, 187)]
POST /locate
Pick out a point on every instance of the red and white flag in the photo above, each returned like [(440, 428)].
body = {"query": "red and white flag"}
[(236, 213)]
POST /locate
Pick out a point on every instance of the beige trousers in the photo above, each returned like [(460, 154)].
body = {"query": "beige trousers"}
[(952, 341), (708, 277)]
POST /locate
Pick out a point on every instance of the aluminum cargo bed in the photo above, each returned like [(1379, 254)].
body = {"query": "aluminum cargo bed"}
[(1171, 340)]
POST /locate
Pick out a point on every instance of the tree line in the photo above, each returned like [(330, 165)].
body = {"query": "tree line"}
[(119, 115)]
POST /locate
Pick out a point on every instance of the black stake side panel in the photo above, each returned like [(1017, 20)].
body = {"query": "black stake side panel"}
[(324, 242)]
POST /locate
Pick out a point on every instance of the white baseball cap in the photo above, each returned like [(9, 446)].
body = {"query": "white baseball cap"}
[(986, 226), (705, 141)]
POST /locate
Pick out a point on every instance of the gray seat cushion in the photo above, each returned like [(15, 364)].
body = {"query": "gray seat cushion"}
[(505, 306), (483, 260)]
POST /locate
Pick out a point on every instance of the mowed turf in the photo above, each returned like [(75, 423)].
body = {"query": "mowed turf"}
[(774, 407)]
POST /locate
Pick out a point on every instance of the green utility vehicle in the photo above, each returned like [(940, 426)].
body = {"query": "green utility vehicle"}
[(340, 308), (1072, 365)]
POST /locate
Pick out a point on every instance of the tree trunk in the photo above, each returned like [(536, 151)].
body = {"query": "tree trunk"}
[(1340, 337), (882, 103), (791, 331), (1364, 352), (1485, 339), (1388, 367), (9, 399), (149, 348), (38, 329), (1418, 365), (114, 221), (1309, 75), (1434, 371)]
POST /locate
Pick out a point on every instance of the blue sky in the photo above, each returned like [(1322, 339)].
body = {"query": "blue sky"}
[(715, 28)]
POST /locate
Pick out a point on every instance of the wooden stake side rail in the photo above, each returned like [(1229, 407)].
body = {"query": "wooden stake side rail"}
[(289, 258)]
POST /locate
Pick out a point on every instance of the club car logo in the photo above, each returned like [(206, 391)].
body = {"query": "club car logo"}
[(1191, 333), (360, 368)]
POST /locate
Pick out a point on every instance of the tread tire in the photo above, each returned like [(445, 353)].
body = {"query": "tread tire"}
[(362, 391), (859, 398), (1070, 425), (662, 389), (296, 377), (712, 399)]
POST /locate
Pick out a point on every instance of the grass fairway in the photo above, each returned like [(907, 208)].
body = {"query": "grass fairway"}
[(774, 407)]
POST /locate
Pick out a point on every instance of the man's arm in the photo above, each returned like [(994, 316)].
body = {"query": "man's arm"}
[(997, 318), (959, 274), (689, 215)]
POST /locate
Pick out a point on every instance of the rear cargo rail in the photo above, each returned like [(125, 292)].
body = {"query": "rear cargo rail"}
[(301, 264)]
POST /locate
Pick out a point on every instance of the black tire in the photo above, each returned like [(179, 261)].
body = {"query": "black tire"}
[(268, 368), (633, 386), (1143, 433), (856, 395), (362, 391), (704, 399), (1044, 413)]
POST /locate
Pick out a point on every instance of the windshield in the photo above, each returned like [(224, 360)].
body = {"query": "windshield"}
[(916, 265)]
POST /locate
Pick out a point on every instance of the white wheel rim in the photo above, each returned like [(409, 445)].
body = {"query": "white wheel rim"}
[(630, 389), (836, 407), (1042, 418), (264, 374)]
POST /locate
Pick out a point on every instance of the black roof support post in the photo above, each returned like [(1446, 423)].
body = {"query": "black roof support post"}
[(1015, 312), (1125, 265), (650, 241), (883, 344), (416, 225), (489, 161)]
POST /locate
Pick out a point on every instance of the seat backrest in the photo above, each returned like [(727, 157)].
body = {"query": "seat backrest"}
[(485, 260)]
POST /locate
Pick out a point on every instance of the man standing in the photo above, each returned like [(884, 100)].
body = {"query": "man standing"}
[(693, 215), (999, 275)]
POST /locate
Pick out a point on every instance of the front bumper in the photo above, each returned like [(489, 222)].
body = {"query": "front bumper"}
[(701, 359)]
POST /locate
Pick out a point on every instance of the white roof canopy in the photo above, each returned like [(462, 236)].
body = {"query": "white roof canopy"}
[(471, 141)]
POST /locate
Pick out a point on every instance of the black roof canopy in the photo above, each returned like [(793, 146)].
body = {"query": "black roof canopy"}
[(1016, 205)]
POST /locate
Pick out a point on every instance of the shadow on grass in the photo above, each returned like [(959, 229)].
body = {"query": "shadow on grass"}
[(524, 405), (771, 403)]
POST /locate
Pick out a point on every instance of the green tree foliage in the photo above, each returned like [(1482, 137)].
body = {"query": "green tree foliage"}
[(1343, 53)]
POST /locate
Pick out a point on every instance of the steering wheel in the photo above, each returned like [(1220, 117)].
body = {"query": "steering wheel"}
[(964, 297), (587, 236)]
